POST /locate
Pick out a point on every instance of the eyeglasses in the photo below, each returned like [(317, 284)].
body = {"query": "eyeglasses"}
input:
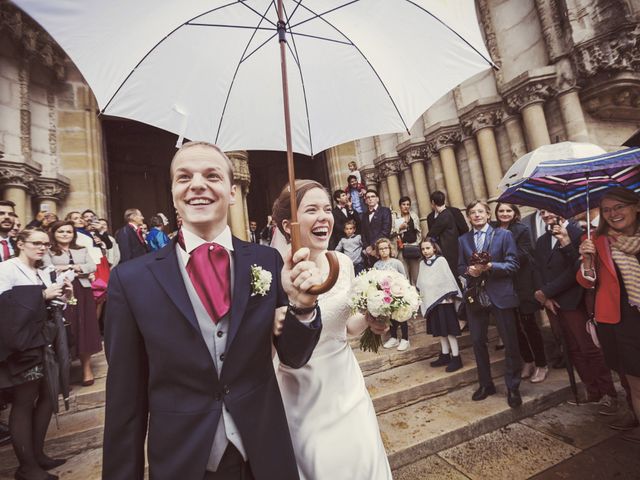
[(39, 244), (370, 196), (614, 209), (383, 248)]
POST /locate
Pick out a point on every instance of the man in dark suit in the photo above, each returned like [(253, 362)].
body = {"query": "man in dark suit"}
[(375, 223), (130, 238), (342, 212), (498, 277), (446, 224), (188, 341), (7, 221), (254, 236), (556, 264)]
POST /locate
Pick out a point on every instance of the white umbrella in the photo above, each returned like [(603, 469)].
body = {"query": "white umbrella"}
[(207, 69)]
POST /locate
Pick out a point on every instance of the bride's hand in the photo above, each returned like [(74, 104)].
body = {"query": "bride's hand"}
[(376, 326), (278, 320), (298, 275)]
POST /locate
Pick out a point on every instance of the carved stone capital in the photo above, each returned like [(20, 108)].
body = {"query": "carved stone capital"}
[(389, 166), (480, 116), (370, 175), (240, 160), (530, 88), (412, 151), (55, 189), (614, 52), (36, 44), (20, 175)]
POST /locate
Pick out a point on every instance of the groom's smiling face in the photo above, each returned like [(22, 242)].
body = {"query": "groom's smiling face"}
[(202, 189)]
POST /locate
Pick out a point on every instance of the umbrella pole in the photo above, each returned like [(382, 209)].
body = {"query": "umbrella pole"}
[(295, 225), (588, 211)]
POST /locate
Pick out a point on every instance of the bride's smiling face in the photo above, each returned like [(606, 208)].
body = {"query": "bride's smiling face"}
[(315, 219)]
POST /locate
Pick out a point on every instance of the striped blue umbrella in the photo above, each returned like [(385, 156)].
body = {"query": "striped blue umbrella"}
[(568, 187)]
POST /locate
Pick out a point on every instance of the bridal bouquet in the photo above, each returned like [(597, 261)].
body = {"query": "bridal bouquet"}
[(385, 295)]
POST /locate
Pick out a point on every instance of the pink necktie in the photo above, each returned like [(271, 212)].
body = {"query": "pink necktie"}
[(209, 270), (5, 250)]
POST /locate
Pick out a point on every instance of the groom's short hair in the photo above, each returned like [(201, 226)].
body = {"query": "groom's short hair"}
[(213, 146)]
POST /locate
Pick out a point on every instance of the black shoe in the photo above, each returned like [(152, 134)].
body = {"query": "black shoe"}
[(5, 435), (49, 463), (483, 392), (559, 363), (513, 398), (22, 476), (499, 347), (443, 359), (454, 364)]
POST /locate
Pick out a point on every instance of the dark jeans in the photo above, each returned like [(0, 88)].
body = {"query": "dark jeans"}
[(530, 339), (507, 328), (232, 467), (359, 267), (404, 329), (585, 356)]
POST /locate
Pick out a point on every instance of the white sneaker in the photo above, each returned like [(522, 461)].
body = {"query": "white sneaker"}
[(392, 342), (404, 344)]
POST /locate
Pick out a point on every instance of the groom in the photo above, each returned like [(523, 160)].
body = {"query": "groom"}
[(188, 341)]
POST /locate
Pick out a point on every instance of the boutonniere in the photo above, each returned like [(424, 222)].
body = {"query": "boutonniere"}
[(260, 281)]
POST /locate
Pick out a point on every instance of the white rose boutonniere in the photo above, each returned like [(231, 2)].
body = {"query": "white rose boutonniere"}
[(260, 281)]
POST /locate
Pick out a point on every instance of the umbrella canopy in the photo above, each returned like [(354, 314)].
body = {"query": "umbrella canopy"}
[(569, 186), (526, 164), (210, 69)]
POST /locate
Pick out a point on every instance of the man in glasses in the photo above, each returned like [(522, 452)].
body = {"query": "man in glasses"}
[(375, 224)]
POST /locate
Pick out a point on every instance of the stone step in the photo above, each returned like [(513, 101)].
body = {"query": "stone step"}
[(408, 384), (68, 435), (423, 346), (415, 431)]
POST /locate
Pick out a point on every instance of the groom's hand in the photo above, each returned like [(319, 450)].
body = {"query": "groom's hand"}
[(298, 275)]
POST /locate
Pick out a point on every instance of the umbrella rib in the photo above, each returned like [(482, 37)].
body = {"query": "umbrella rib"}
[(247, 27), (375, 72), (320, 38), (296, 56), (242, 59), (158, 44)]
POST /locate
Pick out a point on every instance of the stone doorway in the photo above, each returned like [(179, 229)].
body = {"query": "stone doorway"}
[(138, 159)]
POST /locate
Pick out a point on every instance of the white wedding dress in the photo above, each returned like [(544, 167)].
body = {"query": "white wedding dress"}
[(331, 418)]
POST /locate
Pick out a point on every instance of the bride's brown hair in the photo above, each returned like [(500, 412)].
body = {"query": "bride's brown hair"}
[(282, 206)]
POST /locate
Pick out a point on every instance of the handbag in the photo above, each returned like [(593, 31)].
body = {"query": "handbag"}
[(476, 296), (411, 252)]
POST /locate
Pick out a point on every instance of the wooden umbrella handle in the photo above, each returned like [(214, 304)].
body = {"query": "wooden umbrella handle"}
[(332, 258)]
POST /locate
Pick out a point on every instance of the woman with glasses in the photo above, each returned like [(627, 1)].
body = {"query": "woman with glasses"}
[(64, 255), (611, 264), (25, 290)]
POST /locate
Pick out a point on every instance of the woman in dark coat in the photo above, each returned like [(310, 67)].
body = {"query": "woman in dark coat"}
[(24, 291), (529, 336)]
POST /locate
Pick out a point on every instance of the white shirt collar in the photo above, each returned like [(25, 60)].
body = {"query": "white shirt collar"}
[(193, 241), (483, 229)]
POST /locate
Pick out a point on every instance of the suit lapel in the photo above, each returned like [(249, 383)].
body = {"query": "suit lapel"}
[(167, 272), (242, 259)]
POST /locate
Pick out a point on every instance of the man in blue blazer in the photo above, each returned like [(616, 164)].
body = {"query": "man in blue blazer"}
[(190, 362), (129, 237), (375, 224), (498, 276)]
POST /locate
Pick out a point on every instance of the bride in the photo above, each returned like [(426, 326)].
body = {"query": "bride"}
[(331, 418)]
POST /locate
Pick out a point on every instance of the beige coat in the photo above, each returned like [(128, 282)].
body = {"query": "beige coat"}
[(80, 257)]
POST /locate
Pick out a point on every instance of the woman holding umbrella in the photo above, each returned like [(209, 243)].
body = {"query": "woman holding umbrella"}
[(334, 429), (611, 264), (25, 289)]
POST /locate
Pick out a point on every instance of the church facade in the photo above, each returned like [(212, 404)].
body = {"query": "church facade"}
[(567, 70)]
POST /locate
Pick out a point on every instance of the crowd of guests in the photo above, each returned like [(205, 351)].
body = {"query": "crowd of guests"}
[(513, 268)]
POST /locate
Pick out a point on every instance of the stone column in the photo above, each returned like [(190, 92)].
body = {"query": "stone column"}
[(475, 167), (438, 174), (526, 95), (50, 192), (16, 183), (389, 169), (573, 116), (415, 158), (370, 177), (443, 141), (481, 122), (238, 221), (407, 175), (516, 137)]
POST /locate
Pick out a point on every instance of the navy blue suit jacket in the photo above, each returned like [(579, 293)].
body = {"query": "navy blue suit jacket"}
[(129, 243), (378, 227), (160, 369), (504, 261)]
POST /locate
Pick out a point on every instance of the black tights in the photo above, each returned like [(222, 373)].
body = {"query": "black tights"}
[(31, 411), (404, 329)]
